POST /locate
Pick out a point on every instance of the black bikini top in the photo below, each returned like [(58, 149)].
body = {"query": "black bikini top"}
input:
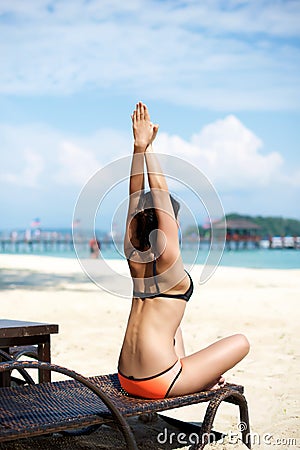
[(186, 296)]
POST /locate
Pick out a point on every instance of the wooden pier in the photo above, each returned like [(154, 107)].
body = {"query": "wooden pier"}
[(36, 245)]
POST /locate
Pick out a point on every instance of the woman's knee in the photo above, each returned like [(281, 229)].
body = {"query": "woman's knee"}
[(242, 343)]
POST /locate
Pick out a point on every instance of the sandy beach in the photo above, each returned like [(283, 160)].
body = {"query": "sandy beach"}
[(261, 303)]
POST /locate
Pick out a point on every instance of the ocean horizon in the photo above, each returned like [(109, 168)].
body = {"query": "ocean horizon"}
[(259, 258)]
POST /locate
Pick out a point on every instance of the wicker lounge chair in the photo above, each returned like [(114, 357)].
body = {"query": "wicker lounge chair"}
[(80, 402)]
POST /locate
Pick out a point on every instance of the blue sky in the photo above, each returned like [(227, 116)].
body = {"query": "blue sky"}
[(220, 77)]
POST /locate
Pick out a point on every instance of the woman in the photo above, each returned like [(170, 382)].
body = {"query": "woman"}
[(152, 361)]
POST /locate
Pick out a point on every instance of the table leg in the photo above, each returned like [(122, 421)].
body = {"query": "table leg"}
[(5, 376), (44, 355)]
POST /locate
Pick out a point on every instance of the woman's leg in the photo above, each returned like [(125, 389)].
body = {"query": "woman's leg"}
[(203, 369)]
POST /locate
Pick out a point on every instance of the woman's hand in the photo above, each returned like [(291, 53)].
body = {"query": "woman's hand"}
[(144, 132)]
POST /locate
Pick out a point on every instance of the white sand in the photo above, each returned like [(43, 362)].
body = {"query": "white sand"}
[(263, 304)]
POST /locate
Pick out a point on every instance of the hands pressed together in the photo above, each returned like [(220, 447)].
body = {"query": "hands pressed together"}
[(144, 131)]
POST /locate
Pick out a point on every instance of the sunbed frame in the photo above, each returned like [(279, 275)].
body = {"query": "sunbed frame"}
[(81, 402)]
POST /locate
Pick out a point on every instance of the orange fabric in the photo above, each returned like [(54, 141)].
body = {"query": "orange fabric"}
[(153, 387)]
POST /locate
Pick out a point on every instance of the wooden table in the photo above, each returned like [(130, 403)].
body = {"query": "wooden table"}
[(20, 333)]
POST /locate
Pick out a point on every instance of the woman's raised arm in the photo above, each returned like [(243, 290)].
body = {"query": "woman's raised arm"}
[(143, 135), (168, 242), (167, 222)]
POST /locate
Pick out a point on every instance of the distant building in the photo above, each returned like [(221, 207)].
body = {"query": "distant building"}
[(240, 233)]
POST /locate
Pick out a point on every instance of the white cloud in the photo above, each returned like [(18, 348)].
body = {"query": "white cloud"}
[(75, 164), (226, 151), (229, 154), (241, 56), (292, 179), (59, 165), (29, 175), (37, 155), (34, 166), (234, 157)]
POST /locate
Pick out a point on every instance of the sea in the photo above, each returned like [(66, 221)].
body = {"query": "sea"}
[(259, 258)]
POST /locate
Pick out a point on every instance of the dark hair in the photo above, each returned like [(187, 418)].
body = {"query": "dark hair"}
[(147, 219)]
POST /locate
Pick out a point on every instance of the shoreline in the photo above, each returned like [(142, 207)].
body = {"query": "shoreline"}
[(263, 304), (247, 259)]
